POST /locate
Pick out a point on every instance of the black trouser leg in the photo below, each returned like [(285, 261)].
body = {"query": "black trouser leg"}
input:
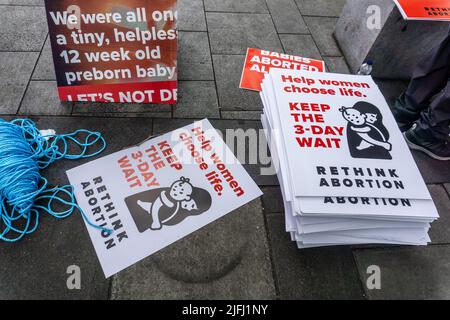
[(435, 121), (429, 78)]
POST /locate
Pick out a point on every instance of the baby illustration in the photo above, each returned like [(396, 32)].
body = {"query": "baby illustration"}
[(179, 196), (367, 136)]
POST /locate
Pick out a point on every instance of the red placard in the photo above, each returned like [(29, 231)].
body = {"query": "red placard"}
[(438, 10), (114, 50), (259, 62)]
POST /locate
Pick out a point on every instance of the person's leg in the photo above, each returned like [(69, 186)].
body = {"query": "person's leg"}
[(431, 132), (429, 78), (436, 119)]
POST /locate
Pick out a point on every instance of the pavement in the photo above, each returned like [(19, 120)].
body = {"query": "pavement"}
[(247, 254)]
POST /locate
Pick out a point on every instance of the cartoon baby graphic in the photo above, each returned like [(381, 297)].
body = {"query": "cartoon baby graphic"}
[(367, 136), (156, 208), (180, 195)]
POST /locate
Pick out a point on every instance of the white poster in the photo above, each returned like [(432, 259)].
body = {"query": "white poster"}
[(341, 138), (158, 192), (355, 207)]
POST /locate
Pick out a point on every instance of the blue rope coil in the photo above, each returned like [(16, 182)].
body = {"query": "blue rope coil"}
[(24, 151)]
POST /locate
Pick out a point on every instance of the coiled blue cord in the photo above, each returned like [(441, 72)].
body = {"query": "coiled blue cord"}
[(24, 151)]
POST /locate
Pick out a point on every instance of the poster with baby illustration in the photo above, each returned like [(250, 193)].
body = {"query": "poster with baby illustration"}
[(153, 209), (340, 137), (158, 192), (367, 136)]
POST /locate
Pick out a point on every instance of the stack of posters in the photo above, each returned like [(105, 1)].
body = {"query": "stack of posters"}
[(346, 173)]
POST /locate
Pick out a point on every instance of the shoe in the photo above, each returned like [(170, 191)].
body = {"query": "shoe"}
[(436, 149)]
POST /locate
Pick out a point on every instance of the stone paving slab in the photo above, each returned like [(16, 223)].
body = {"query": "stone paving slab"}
[(228, 259), (45, 69), (408, 273), (23, 2), (242, 115), (121, 110), (233, 33), (23, 28), (41, 98), (194, 58), (433, 171), (15, 72), (286, 16), (228, 70), (247, 6), (336, 65), (161, 126), (439, 232), (255, 155), (197, 99), (191, 15), (149, 114), (321, 7), (300, 45), (324, 273), (322, 31), (36, 267), (272, 200)]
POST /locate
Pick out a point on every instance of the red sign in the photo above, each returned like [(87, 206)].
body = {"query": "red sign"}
[(114, 50), (438, 10), (259, 62)]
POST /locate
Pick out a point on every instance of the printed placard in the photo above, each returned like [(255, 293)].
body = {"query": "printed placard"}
[(158, 192), (438, 10), (114, 50), (259, 62), (341, 137), (344, 206)]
